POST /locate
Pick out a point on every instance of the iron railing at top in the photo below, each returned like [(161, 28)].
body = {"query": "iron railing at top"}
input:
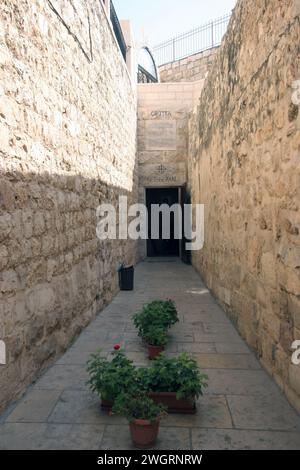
[(118, 30), (144, 76), (192, 42), (149, 75)]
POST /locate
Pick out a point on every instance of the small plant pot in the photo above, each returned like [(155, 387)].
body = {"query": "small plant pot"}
[(168, 399), (144, 433), (154, 351), (106, 405)]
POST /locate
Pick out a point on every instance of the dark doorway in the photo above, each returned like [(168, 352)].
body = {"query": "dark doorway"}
[(185, 199), (162, 247)]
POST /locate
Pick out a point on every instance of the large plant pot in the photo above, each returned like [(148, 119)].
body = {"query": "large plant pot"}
[(154, 351), (168, 399), (106, 405), (143, 433)]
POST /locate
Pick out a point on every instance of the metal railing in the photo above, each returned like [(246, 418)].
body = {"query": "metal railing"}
[(192, 42), (144, 76), (118, 30), (147, 73)]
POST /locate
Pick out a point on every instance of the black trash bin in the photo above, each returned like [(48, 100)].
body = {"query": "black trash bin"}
[(126, 278)]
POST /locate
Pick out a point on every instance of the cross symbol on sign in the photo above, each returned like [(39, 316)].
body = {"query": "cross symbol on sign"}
[(161, 169)]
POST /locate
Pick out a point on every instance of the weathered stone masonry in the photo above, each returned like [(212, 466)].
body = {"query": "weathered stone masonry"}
[(68, 119), (244, 160), (68, 142), (190, 69)]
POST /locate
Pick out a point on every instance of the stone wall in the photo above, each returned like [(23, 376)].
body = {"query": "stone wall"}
[(190, 69), (244, 160), (68, 143)]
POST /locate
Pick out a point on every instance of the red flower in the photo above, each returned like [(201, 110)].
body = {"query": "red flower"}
[(117, 347)]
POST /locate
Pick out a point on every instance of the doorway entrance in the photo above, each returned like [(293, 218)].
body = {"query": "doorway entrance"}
[(160, 247)]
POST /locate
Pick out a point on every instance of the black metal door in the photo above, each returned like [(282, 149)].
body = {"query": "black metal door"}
[(162, 247), (185, 199)]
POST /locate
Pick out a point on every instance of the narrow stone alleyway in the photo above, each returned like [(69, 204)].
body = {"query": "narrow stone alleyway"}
[(242, 407)]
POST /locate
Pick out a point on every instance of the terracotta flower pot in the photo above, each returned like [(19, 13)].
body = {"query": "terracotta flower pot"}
[(154, 351), (182, 406), (144, 433)]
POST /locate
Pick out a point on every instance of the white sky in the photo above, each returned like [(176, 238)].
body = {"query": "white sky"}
[(159, 20)]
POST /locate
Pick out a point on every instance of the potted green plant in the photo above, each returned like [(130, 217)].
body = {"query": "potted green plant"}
[(156, 339), (143, 415), (161, 313), (174, 382), (109, 378)]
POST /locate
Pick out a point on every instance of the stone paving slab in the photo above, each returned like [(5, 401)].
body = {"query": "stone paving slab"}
[(196, 347), (236, 439), (239, 382), (206, 316), (242, 408), (227, 361), (266, 412), (35, 407), (91, 342), (81, 407), (218, 338), (33, 436), (80, 355), (64, 377), (232, 348)]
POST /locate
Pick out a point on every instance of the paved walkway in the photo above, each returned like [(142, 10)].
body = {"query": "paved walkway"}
[(242, 407)]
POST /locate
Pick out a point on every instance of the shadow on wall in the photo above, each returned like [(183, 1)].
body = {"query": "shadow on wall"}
[(55, 275)]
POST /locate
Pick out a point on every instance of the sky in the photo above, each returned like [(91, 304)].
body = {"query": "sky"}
[(158, 20)]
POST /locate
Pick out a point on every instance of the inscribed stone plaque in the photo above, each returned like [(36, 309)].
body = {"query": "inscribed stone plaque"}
[(161, 135), (162, 175)]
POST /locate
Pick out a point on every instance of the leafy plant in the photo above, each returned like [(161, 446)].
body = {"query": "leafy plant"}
[(159, 313), (138, 407), (155, 336), (111, 378), (179, 374)]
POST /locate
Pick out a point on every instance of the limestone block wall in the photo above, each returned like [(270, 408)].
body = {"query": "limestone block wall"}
[(67, 144), (190, 69), (244, 160)]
